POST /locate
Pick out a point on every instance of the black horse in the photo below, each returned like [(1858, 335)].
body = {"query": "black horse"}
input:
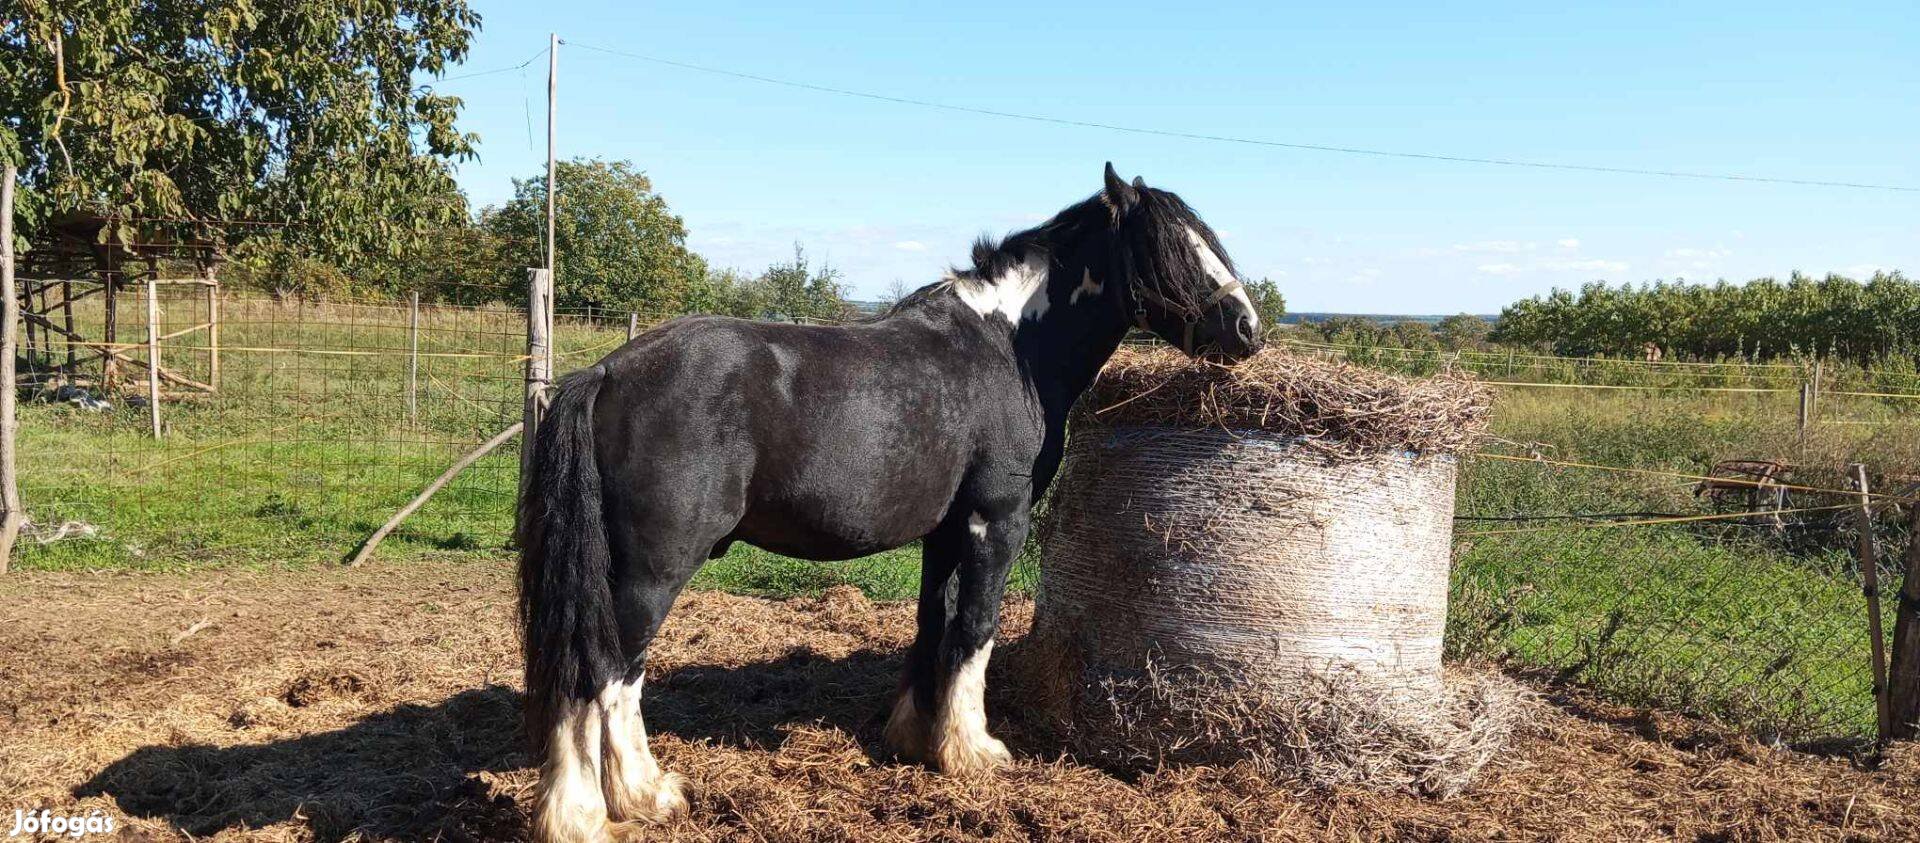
[(942, 420)]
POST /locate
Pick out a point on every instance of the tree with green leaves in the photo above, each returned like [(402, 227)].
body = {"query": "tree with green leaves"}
[(303, 112), (1764, 318), (786, 290), (620, 246), (1461, 331), (1267, 302)]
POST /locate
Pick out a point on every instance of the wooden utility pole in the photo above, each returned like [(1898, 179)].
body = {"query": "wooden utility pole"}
[(1903, 679), (553, 112), (1870, 584), (11, 515), (553, 94)]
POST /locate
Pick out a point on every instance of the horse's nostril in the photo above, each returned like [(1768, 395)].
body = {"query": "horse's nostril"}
[(1244, 328)]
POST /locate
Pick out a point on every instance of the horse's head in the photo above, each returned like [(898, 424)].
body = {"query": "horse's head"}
[(1178, 281)]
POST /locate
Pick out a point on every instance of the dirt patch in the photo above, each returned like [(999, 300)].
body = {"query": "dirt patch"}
[(406, 715)]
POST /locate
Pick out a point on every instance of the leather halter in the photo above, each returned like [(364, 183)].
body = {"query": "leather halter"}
[(1190, 316)]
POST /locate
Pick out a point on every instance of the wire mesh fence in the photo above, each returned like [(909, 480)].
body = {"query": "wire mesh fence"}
[(1755, 619), (322, 419)]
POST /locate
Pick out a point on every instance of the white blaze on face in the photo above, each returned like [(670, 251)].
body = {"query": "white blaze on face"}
[(977, 526), (1216, 269), (1020, 293)]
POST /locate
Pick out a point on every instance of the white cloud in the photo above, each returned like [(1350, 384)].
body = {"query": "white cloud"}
[(910, 246), (1569, 242), (1498, 268)]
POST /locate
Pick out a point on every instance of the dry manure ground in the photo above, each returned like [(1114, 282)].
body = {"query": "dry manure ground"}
[(381, 704)]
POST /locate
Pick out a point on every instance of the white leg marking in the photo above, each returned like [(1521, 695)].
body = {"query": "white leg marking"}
[(635, 787), (1020, 293), (960, 734), (1087, 288), (907, 731), (977, 526), (1217, 270), (567, 805)]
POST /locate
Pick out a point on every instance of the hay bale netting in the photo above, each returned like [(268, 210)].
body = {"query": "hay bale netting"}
[(1250, 563)]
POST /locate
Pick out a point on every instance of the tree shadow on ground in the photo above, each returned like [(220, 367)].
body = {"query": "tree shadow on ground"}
[(412, 772)]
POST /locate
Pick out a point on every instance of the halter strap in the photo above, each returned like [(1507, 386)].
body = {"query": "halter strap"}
[(1225, 290), (1188, 315)]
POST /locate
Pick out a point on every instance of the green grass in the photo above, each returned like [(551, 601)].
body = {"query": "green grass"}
[(1763, 631), (302, 455)]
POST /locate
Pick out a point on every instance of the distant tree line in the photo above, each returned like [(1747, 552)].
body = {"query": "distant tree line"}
[(1463, 331), (1765, 318)]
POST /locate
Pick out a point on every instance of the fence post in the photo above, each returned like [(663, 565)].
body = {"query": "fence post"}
[(539, 364), (213, 327), (11, 515), (1806, 409), (633, 325), (413, 357), (153, 351), (1903, 679), (1870, 585), (1813, 395)]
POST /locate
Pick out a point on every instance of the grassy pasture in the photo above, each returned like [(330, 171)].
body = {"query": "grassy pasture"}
[(309, 446)]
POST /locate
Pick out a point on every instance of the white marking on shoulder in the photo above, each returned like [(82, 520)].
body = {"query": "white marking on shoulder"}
[(1217, 270), (1087, 288), (977, 525), (1020, 293)]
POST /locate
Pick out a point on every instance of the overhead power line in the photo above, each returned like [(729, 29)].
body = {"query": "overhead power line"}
[(1313, 147), (506, 69)]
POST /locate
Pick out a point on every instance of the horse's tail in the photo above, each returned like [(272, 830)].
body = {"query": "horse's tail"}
[(569, 632)]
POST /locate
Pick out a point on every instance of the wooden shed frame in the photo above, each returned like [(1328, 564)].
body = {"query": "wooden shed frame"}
[(68, 264)]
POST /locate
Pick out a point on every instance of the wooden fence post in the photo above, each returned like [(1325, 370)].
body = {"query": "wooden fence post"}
[(153, 352), (633, 325), (1806, 409), (213, 328), (413, 357), (1903, 679), (11, 515), (539, 364), (1870, 585)]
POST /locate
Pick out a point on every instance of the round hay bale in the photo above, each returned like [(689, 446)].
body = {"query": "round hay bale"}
[(1251, 563)]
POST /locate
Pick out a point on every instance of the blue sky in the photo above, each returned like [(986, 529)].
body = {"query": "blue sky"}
[(887, 191)]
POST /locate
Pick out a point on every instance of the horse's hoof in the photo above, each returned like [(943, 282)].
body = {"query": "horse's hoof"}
[(963, 755), (662, 801), (907, 731)]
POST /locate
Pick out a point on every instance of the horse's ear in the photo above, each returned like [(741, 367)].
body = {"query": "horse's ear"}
[(1119, 194), (1139, 183)]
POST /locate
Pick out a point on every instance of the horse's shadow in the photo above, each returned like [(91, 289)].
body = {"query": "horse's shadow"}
[(410, 772)]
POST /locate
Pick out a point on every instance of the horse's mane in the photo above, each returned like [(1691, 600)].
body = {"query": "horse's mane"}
[(1155, 262)]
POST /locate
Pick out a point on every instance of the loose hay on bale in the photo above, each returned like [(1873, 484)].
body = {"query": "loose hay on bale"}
[(1250, 563)]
